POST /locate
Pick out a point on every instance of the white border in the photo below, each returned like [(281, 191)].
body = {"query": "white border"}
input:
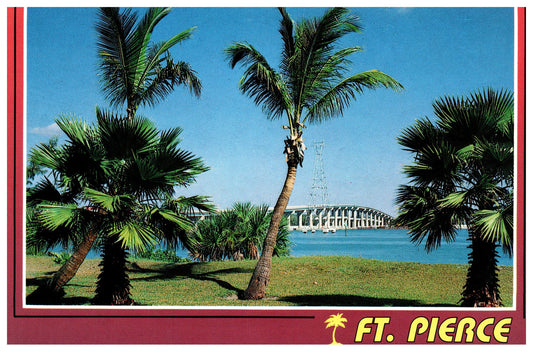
[(266, 308)]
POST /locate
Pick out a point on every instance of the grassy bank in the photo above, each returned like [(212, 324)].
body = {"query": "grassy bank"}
[(295, 281)]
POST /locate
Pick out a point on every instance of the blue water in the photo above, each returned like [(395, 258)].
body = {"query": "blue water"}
[(380, 244), (383, 244)]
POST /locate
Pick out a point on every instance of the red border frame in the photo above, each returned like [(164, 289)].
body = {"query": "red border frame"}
[(15, 125), (210, 326)]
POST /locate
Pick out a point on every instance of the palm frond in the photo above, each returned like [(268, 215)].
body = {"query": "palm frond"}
[(138, 46), (120, 137), (189, 205), (172, 223), (313, 46), (311, 80), (111, 203), (170, 138), (46, 190), (482, 113), (168, 167), (497, 158), (419, 135), (236, 233), (455, 199), (259, 81), (437, 165), (286, 30), (160, 49), (135, 235), (46, 156), (421, 210), (336, 99), (314, 37), (496, 226), (179, 221), (77, 131), (39, 238), (129, 64), (166, 78), (33, 168), (55, 215), (115, 30)]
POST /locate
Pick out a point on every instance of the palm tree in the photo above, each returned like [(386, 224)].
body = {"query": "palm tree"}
[(33, 169), (462, 174), (237, 233), (309, 87), (335, 321), (115, 181), (132, 69)]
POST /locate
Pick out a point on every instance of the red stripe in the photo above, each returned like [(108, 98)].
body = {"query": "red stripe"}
[(520, 151), (10, 148)]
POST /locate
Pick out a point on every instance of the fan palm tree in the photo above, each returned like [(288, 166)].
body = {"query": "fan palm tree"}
[(462, 174), (309, 87), (115, 181), (237, 233), (134, 70)]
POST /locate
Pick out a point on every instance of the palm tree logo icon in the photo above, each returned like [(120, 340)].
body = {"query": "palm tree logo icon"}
[(335, 320)]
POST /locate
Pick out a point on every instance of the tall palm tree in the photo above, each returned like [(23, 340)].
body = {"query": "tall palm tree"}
[(134, 70), (116, 181), (462, 174), (309, 87)]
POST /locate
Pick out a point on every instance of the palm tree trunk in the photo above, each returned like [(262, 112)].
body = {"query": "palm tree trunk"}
[(113, 285), (261, 276), (52, 291), (481, 288), (131, 109), (69, 269)]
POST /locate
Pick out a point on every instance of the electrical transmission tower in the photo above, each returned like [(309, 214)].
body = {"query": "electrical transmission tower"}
[(319, 189)]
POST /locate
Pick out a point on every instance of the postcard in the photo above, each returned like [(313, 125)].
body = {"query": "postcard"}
[(263, 175)]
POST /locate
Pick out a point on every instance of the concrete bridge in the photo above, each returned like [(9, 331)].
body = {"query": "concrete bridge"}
[(329, 218)]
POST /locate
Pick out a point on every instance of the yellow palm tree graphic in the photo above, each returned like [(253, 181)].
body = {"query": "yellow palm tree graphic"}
[(335, 320)]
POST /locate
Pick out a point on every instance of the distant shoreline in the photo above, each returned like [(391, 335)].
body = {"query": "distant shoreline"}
[(390, 244)]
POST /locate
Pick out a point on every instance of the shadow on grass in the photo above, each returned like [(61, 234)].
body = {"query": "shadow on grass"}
[(44, 295), (191, 271), (37, 281), (355, 301), (194, 271)]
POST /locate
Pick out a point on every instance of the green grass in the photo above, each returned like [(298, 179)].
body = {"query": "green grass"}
[(295, 281)]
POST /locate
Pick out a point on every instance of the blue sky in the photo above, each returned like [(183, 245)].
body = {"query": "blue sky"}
[(432, 51)]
